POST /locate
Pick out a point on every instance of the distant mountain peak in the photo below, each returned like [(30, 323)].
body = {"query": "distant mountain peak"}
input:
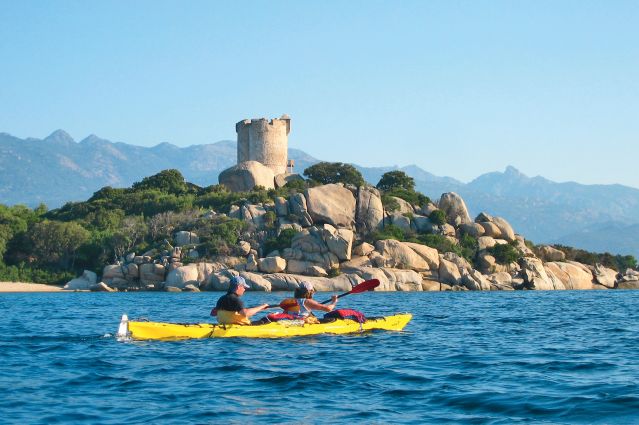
[(92, 139), (512, 171), (60, 137)]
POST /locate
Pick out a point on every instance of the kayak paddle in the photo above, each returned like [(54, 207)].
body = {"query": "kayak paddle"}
[(367, 285)]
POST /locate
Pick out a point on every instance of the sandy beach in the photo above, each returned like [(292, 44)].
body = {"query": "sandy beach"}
[(27, 287)]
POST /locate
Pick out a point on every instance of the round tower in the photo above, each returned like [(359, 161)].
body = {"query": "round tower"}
[(264, 141)]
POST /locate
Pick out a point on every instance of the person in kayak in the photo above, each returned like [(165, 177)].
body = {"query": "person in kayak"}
[(230, 309), (303, 304)]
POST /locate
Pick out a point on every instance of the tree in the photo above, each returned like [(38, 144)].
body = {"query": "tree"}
[(55, 242), (334, 172), (396, 180), (168, 181), (437, 217)]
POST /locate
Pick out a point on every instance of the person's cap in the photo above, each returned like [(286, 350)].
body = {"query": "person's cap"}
[(236, 282), (308, 286)]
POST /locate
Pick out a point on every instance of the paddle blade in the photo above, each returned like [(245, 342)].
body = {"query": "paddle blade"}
[(367, 285)]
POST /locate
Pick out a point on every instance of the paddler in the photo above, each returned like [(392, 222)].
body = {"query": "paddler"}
[(303, 304), (230, 309)]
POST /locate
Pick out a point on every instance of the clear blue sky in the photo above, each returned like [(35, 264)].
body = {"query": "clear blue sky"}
[(458, 88)]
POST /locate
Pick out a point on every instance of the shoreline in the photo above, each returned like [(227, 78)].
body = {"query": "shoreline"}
[(29, 287)]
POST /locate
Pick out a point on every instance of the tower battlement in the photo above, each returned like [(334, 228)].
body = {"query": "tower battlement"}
[(265, 141)]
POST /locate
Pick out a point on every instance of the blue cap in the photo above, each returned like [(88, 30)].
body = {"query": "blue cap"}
[(236, 282)]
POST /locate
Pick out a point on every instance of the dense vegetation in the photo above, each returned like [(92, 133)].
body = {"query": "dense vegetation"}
[(53, 246)]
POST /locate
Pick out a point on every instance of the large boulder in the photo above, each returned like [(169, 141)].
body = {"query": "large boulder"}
[(281, 206), (548, 253), (363, 249), (221, 280), (299, 208), (152, 274), (491, 229), (572, 275), (332, 204), (246, 175), (427, 253), (253, 214), (505, 228), (283, 179), (423, 224), (485, 242), (370, 211), (449, 273), (289, 282), (196, 274), (537, 277), (183, 237), (338, 241), (455, 209), (309, 245), (87, 280), (628, 284), (398, 255), (605, 276), (475, 230), (404, 206), (271, 264), (475, 281), (401, 221)]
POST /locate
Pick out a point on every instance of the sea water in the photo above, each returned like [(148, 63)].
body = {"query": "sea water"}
[(472, 357)]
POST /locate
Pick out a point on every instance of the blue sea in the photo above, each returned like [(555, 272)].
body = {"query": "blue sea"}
[(467, 357)]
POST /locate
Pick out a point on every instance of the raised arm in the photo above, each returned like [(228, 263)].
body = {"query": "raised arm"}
[(314, 305)]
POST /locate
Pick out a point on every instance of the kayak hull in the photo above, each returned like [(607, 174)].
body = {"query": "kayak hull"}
[(165, 331)]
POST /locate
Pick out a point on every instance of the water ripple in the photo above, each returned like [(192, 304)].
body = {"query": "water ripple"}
[(498, 358)]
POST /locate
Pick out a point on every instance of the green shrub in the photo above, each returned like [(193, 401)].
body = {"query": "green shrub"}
[(504, 253), (390, 231), (269, 219), (440, 243), (334, 172), (410, 196), (389, 203), (282, 241), (167, 181), (437, 217), (334, 272), (396, 180)]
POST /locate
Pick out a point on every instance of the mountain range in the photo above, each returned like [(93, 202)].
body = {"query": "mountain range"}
[(57, 169)]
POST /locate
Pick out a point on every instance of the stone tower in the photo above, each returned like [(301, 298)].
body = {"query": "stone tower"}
[(264, 141)]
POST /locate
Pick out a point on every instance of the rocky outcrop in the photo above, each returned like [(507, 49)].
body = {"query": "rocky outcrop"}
[(84, 282), (271, 264), (398, 255), (196, 274), (537, 277), (430, 255), (548, 253), (299, 208), (605, 276), (246, 175), (573, 276), (185, 238), (370, 211), (455, 209), (332, 204), (253, 214), (449, 273), (152, 275), (283, 179)]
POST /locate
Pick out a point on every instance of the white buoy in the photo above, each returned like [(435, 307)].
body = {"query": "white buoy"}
[(123, 329)]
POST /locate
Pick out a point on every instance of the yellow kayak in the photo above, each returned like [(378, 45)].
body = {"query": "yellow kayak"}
[(157, 330)]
